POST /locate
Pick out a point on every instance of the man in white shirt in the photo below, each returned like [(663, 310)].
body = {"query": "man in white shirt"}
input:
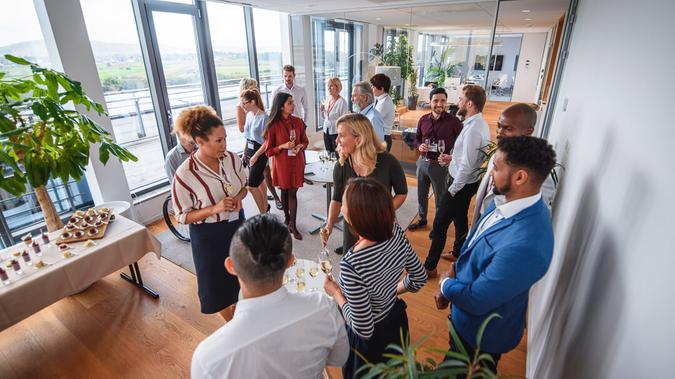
[(467, 157), (298, 93), (362, 101), (384, 104), (274, 333), (516, 120)]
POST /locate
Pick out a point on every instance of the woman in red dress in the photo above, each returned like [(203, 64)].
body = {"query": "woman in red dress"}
[(285, 140)]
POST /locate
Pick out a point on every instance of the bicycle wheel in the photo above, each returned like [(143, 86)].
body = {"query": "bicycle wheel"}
[(182, 232)]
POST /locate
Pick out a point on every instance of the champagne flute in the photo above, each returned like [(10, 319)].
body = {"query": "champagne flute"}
[(333, 157), (292, 135), (324, 262), (427, 142), (313, 272), (441, 146)]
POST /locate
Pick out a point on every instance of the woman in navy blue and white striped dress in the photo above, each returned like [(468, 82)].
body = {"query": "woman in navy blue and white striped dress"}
[(370, 274)]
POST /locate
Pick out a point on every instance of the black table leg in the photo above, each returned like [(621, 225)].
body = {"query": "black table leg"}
[(137, 280)]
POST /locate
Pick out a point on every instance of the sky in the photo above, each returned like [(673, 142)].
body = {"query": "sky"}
[(113, 21)]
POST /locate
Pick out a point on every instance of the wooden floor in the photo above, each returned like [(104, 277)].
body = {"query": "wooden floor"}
[(114, 330)]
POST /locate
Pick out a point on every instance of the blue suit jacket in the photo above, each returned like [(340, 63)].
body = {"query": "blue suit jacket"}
[(495, 273)]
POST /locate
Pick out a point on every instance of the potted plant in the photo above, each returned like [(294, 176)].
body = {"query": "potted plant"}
[(41, 137), (412, 99), (440, 67), (399, 54), (404, 364)]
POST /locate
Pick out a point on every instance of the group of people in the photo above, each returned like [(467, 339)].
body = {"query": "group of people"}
[(240, 262)]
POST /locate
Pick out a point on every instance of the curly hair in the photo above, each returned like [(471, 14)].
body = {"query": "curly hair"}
[(261, 248), (197, 121), (533, 154)]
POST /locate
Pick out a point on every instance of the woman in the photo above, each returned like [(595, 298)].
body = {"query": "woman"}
[(361, 154), (371, 274), (254, 128), (288, 165), (207, 192), (252, 84), (332, 109)]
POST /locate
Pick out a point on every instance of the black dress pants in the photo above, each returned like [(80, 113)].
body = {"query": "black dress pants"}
[(452, 209)]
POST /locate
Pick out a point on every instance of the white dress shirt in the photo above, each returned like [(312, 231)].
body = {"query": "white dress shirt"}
[(385, 105), (299, 96), (485, 194), (469, 152), (279, 335), (331, 114)]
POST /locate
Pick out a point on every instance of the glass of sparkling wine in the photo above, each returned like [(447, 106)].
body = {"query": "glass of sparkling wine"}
[(313, 272), (292, 135), (324, 262), (441, 146), (300, 285), (427, 142)]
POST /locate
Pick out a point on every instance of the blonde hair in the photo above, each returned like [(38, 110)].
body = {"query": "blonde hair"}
[(247, 83), (370, 145), (335, 80), (253, 95)]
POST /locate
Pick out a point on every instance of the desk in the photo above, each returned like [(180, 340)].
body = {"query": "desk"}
[(125, 242), (320, 172)]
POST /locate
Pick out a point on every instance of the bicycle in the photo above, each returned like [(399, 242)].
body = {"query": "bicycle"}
[(181, 231)]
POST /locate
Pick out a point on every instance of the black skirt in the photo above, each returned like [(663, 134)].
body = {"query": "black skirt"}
[(210, 246), (387, 332), (255, 172)]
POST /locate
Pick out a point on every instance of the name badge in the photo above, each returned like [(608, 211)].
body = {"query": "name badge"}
[(433, 147), (249, 145), (291, 152)]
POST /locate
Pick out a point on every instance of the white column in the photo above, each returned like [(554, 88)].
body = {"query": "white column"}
[(67, 41)]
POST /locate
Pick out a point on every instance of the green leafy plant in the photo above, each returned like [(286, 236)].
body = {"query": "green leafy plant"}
[(40, 138), (403, 363), (413, 83), (441, 67), (398, 53)]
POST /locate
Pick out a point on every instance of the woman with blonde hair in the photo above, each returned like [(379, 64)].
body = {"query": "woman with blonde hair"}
[(254, 130), (362, 154), (207, 192), (332, 109)]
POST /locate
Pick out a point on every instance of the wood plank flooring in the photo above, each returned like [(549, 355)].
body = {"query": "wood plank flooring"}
[(113, 330)]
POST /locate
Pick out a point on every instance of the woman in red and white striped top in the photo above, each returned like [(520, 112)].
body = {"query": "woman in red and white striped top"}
[(207, 193)]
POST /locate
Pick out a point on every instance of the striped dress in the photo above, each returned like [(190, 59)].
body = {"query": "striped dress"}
[(368, 280)]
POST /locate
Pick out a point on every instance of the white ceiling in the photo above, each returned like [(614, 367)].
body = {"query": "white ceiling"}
[(430, 15)]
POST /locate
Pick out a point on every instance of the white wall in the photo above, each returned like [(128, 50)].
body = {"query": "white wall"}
[(529, 67), (605, 308)]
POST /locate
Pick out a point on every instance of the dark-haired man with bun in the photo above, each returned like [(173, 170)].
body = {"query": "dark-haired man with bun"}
[(508, 250), (274, 333)]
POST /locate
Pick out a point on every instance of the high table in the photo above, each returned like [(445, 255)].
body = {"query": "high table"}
[(311, 284), (320, 172), (124, 243)]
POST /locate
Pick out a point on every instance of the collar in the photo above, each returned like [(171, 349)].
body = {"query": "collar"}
[(368, 108), (180, 148), (382, 97), (473, 118), (285, 86), (267, 301), (514, 207), (443, 115)]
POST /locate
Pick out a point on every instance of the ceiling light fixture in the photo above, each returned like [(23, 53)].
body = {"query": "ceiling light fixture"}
[(378, 18), (528, 19), (526, 11)]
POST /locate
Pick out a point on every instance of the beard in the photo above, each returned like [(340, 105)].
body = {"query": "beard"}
[(357, 107), (438, 110), (461, 112), (503, 190)]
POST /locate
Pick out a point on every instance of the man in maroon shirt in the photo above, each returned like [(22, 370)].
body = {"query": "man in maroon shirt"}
[(432, 128)]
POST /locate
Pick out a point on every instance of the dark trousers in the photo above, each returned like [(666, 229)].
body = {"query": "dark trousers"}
[(452, 209), (434, 175), (387, 139), (330, 141), (387, 332), (471, 351)]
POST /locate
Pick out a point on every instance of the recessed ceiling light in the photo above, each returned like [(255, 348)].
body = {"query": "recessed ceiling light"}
[(526, 11), (528, 19), (378, 18)]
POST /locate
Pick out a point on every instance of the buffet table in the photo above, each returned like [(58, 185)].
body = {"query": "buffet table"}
[(124, 243)]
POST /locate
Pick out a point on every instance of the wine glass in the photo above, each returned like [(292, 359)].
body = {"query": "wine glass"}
[(313, 272), (333, 156), (441, 146), (324, 262), (292, 135), (427, 142)]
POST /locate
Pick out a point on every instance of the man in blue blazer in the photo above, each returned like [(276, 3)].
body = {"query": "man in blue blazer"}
[(508, 250)]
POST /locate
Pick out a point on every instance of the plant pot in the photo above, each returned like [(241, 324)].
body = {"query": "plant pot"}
[(412, 102)]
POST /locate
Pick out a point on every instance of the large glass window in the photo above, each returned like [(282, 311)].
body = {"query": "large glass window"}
[(268, 40), (21, 35), (114, 40)]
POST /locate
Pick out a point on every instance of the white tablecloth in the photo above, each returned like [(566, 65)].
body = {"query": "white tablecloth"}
[(311, 284), (125, 242)]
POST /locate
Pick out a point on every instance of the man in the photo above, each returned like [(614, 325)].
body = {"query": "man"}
[(467, 157), (298, 93), (384, 104), (362, 100), (274, 333), (433, 127), (178, 154), (508, 250), (516, 120)]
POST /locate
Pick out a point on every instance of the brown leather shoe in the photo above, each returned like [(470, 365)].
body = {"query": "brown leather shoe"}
[(432, 273), (448, 257)]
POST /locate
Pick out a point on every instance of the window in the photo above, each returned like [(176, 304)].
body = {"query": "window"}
[(114, 41), (268, 32), (21, 35), (230, 55)]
